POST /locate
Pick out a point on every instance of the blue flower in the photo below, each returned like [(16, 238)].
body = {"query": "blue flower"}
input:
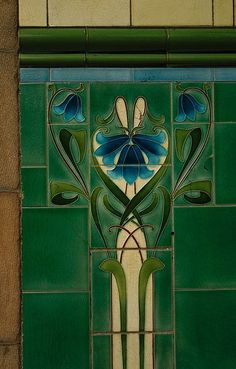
[(188, 106), (132, 152), (71, 107)]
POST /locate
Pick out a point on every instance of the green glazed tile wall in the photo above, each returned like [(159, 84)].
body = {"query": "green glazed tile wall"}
[(129, 211)]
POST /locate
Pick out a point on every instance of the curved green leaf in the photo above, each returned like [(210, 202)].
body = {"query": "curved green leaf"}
[(203, 187), (181, 136), (64, 193), (145, 191), (110, 207), (152, 206), (166, 211), (114, 266), (94, 210), (149, 266)]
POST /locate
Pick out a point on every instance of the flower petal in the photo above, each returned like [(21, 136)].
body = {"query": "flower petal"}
[(117, 172), (200, 108), (188, 107), (144, 172), (114, 143), (149, 146), (60, 109), (71, 108), (181, 115), (79, 116)]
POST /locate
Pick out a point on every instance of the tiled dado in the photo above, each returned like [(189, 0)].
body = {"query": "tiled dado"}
[(126, 13), (128, 218)]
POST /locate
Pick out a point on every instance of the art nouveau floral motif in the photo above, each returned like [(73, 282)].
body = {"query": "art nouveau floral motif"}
[(132, 158)]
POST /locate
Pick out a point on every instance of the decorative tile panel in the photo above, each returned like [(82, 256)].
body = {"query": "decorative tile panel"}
[(128, 217)]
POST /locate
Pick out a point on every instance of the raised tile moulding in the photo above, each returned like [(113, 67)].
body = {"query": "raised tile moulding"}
[(127, 47)]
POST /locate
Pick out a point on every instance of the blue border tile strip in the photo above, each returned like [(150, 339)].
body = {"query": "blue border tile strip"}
[(28, 75)]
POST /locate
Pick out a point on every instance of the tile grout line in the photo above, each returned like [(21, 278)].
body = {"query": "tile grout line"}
[(213, 12), (213, 146), (173, 236), (47, 148)]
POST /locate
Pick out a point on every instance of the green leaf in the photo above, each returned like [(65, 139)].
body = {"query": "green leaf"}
[(149, 266), (94, 210), (166, 211), (181, 136), (114, 266), (203, 187), (110, 207), (64, 193), (106, 120), (145, 191), (116, 191), (160, 119), (196, 136), (152, 206)]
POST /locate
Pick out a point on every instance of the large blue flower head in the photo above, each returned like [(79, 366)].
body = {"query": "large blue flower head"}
[(71, 107), (131, 154), (188, 107)]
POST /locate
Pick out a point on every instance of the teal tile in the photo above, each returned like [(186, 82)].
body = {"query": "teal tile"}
[(102, 352), (56, 331), (67, 103), (68, 164), (225, 152), (163, 293), (205, 330), (225, 94), (193, 91), (91, 74), (34, 75), (101, 297), (33, 123), (205, 253), (164, 352), (191, 168), (55, 249), (34, 186)]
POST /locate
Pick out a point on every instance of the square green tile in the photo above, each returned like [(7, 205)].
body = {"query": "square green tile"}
[(225, 174), (205, 247), (202, 171), (69, 168), (164, 352), (62, 93), (205, 330), (55, 249), (34, 186), (225, 95), (102, 352), (56, 331), (33, 124), (196, 91)]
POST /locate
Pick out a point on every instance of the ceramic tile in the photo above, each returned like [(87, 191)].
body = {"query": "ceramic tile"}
[(89, 13), (225, 74), (164, 351), (33, 124), (128, 198), (223, 13), (225, 94), (91, 74), (205, 329), (32, 13), (102, 352), (172, 13), (34, 186), (31, 75), (210, 243), (59, 322), (174, 74), (225, 178), (55, 249)]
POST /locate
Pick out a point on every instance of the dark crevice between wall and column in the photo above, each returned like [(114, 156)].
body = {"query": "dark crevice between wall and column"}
[(9, 189)]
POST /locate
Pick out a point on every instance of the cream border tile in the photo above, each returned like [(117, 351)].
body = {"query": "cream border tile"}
[(223, 12), (33, 12), (89, 13), (171, 13)]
